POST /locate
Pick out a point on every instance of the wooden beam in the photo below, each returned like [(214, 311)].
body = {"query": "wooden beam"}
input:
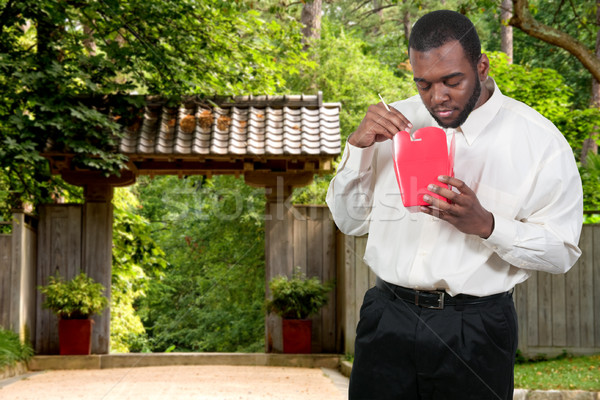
[(275, 179), (85, 178)]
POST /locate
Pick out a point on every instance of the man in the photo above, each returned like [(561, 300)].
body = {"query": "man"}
[(441, 323)]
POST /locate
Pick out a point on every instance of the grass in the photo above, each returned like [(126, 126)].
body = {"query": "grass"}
[(12, 350), (562, 373)]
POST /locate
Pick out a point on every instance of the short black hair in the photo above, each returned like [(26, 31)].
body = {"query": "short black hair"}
[(437, 28)]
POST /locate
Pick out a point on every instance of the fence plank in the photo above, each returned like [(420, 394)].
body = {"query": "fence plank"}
[(362, 274), (299, 233), (28, 284), (580, 280), (350, 293), (544, 316), (559, 315), (520, 298), (5, 279), (315, 265), (531, 288), (572, 309), (329, 312), (596, 279)]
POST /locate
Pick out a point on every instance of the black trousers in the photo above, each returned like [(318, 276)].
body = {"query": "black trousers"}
[(404, 351)]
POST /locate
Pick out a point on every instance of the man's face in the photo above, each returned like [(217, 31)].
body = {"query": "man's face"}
[(448, 84)]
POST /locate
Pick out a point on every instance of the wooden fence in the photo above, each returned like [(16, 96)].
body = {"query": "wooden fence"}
[(555, 312)]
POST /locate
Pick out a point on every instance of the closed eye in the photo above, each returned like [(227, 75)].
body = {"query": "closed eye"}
[(453, 81), (423, 85)]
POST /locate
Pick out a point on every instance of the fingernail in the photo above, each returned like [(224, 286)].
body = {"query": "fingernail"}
[(431, 187), (427, 198)]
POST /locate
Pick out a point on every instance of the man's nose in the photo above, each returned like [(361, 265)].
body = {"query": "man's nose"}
[(439, 93)]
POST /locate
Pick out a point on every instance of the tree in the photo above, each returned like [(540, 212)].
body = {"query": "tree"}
[(589, 59), (506, 42), (311, 19), (523, 20)]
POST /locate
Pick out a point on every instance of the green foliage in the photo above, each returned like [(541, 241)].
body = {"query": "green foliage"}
[(77, 298), (561, 373), (211, 297), (12, 350), (136, 259), (590, 177), (297, 297)]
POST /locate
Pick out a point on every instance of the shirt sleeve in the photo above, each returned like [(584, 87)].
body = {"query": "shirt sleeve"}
[(545, 234), (350, 193)]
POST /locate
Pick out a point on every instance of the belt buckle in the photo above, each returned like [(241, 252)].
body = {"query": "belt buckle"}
[(440, 299)]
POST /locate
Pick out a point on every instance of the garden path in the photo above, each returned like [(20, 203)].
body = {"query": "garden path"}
[(202, 382)]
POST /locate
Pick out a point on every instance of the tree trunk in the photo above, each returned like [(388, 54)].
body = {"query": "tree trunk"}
[(506, 32), (311, 19), (89, 42), (590, 144), (379, 13), (406, 22)]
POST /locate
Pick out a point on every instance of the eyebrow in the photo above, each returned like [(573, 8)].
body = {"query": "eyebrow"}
[(443, 78)]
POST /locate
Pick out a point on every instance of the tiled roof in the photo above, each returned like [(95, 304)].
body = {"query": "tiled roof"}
[(241, 126)]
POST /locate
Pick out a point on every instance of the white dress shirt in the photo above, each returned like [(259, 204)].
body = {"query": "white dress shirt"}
[(522, 170)]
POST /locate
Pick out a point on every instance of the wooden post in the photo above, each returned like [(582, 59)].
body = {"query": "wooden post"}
[(97, 254), (278, 253), (22, 283)]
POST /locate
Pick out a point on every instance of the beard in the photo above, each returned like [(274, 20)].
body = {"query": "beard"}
[(464, 114)]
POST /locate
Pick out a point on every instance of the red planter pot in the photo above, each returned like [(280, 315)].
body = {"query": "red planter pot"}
[(75, 336), (297, 334)]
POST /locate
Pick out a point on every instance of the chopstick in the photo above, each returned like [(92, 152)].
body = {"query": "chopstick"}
[(383, 101)]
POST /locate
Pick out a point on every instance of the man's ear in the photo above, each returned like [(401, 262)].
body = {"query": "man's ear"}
[(483, 67)]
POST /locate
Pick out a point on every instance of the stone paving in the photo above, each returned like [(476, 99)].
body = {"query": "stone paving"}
[(198, 382)]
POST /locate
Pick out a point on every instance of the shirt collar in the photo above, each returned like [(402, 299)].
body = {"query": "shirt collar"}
[(479, 118)]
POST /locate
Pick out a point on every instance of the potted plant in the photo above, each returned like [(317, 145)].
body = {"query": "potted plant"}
[(294, 299), (74, 301)]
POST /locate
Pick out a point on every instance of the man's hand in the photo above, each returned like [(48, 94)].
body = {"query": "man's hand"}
[(463, 210), (378, 125)]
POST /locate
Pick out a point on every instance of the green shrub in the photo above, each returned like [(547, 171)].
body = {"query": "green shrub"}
[(77, 298), (12, 350), (297, 297)]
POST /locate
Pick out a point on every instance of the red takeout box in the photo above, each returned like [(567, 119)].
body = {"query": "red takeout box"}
[(418, 161)]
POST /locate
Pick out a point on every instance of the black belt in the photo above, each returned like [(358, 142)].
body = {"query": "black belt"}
[(435, 299)]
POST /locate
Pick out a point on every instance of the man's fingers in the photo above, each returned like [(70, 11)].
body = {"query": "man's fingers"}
[(379, 125), (393, 121), (457, 183)]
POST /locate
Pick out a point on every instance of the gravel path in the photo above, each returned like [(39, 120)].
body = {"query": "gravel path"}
[(180, 382)]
